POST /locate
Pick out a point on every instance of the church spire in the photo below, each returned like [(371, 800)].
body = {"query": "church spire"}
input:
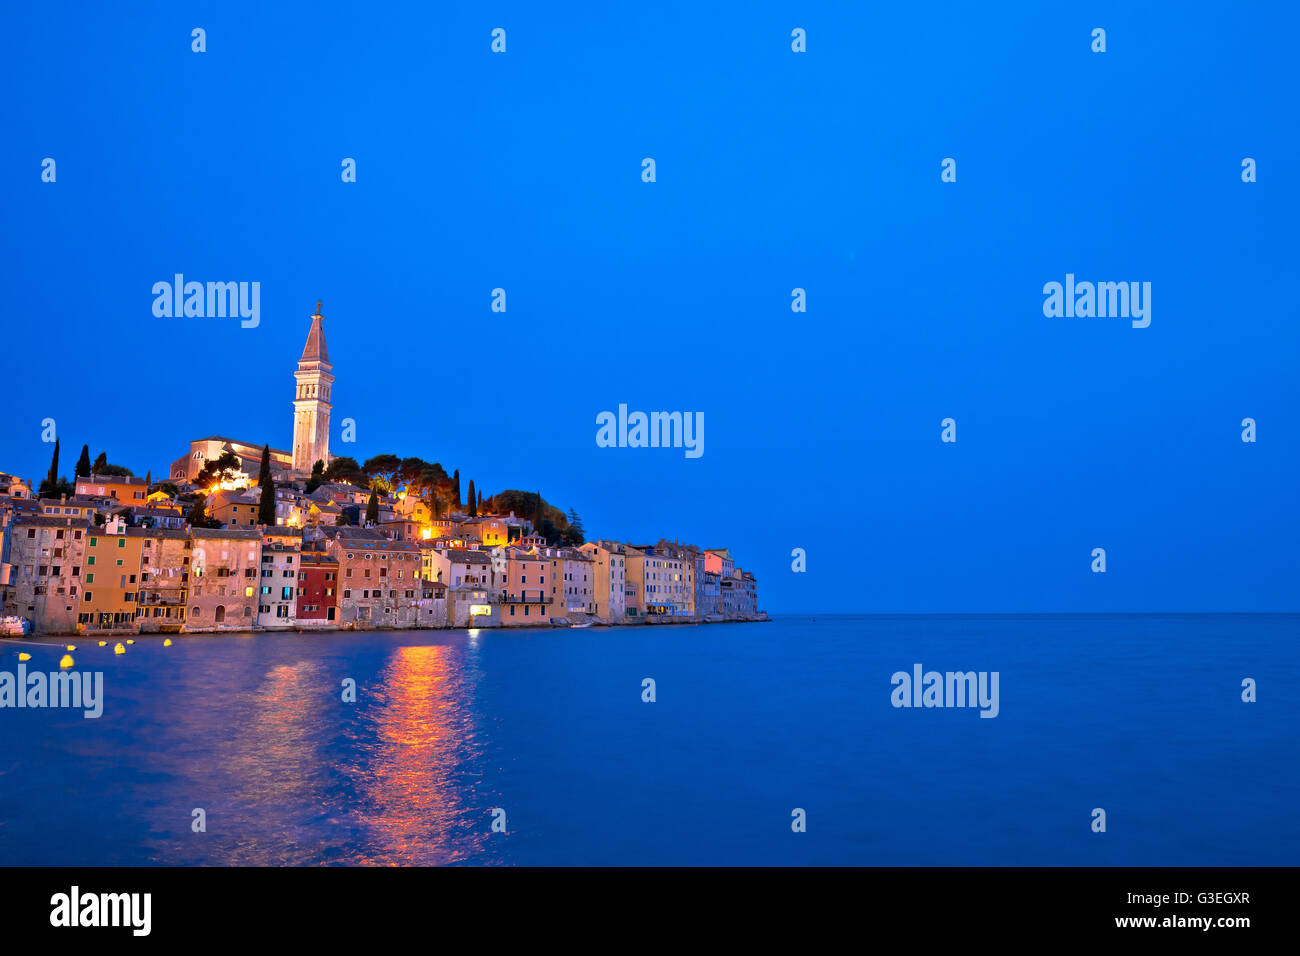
[(315, 350), (311, 403)]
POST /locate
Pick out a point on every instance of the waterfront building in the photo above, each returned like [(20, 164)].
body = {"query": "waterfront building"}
[(111, 576), (609, 579), (525, 590), (662, 580), (277, 592), (471, 587), (225, 570), (318, 589), (43, 556), (163, 596), (377, 577)]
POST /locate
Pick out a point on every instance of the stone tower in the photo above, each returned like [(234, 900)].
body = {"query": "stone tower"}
[(311, 402)]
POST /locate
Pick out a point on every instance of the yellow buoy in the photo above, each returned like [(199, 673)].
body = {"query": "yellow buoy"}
[(24, 657), (65, 660), (119, 649), (167, 642), (130, 642), (72, 647), (103, 643)]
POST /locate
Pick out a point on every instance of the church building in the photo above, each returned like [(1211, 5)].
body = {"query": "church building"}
[(311, 423)]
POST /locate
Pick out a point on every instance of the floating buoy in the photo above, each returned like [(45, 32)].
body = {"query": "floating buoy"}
[(24, 657), (103, 643), (118, 648), (72, 647), (167, 643), (65, 660), (130, 642)]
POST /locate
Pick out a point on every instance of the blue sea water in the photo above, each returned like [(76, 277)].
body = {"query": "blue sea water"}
[(1139, 715)]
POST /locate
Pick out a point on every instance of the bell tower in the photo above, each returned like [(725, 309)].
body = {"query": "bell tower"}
[(311, 401)]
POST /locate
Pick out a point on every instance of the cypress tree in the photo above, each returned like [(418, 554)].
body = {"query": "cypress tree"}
[(83, 463), (372, 509), (53, 477), (455, 486), (98, 467), (266, 506), (473, 504), (317, 476)]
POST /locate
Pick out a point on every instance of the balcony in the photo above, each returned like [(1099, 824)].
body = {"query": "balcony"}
[(508, 599)]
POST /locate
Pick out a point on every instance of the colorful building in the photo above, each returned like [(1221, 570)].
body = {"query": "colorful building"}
[(111, 577), (318, 589), (44, 556), (224, 578), (122, 488), (163, 596), (277, 592)]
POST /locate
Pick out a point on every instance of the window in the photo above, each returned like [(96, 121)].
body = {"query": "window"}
[(90, 578)]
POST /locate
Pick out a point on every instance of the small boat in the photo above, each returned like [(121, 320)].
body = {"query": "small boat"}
[(587, 624), (15, 627)]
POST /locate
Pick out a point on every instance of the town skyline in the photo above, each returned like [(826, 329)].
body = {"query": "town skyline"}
[(924, 297)]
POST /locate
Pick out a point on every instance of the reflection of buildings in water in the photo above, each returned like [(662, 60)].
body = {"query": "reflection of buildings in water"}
[(277, 764), (412, 793)]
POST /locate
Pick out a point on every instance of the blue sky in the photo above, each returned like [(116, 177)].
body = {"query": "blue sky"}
[(775, 170)]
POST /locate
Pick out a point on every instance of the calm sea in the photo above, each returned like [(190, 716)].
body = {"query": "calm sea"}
[(1141, 716)]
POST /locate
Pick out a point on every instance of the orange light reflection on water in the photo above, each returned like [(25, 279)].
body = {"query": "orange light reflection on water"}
[(412, 794)]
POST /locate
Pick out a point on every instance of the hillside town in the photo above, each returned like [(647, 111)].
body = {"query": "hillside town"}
[(242, 537)]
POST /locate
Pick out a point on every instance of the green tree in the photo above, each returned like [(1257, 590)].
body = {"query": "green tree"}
[(266, 506), (198, 516), (317, 477), (384, 469), (83, 463), (573, 534), (347, 470), (53, 476), (372, 509), (216, 470), (455, 487), (56, 489), (100, 462), (473, 505)]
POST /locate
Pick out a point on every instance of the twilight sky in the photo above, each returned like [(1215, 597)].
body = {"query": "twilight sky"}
[(775, 170)]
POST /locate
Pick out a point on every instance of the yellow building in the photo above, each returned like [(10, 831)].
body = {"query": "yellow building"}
[(235, 509), (129, 491), (110, 577)]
